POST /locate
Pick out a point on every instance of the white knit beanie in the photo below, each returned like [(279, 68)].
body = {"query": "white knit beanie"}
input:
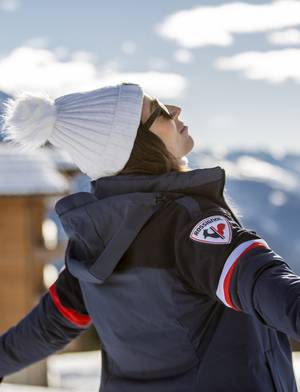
[(97, 128)]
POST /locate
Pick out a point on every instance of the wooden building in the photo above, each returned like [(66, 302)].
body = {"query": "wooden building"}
[(27, 181)]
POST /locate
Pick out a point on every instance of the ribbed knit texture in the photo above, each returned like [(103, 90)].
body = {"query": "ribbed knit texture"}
[(98, 128)]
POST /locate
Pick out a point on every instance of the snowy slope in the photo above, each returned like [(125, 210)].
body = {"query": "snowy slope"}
[(3, 98)]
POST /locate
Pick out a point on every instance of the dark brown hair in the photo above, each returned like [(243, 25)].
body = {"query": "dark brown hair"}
[(150, 155)]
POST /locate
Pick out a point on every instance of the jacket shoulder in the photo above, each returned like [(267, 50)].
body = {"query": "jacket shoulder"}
[(196, 206)]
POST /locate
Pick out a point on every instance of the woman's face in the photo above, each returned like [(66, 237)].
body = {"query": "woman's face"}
[(167, 129)]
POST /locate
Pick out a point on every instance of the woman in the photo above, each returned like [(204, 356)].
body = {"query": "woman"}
[(182, 296)]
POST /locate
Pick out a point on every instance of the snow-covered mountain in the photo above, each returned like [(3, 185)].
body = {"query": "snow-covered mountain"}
[(3, 98), (264, 188)]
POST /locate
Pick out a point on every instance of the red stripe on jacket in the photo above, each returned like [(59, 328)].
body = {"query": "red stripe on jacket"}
[(228, 277), (78, 319)]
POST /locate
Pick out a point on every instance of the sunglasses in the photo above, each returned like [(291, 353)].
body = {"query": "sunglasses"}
[(160, 110)]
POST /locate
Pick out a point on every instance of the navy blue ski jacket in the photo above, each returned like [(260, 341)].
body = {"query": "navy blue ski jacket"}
[(182, 296)]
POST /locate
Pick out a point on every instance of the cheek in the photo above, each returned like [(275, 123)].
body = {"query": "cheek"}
[(170, 135), (172, 139)]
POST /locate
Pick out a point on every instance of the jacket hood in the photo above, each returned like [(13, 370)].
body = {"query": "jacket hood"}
[(102, 224)]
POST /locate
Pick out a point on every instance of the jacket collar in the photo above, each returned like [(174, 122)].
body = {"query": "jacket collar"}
[(208, 182)]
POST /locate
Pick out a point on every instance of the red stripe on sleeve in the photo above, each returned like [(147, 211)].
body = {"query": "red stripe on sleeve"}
[(228, 277), (78, 319)]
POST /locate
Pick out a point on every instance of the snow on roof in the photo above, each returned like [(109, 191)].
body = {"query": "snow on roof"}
[(7, 387), (61, 158), (29, 173), (80, 371)]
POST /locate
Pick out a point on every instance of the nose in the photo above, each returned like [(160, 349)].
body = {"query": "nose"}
[(180, 123)]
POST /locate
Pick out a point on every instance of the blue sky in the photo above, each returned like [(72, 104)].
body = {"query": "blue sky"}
[(233, 67)]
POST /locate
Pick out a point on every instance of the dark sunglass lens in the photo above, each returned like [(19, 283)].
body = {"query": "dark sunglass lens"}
[(166, 111), (166, 114)]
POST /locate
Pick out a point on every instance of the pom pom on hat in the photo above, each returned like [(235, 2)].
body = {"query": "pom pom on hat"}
[(96, 128), (29, 120)]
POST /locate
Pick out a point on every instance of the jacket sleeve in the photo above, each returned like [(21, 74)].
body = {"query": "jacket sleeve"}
[(217, 257), (59, 317)]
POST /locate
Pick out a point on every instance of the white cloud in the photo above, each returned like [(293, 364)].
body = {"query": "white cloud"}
[(284, 37), (9, 5), (215, 25), (36, 69), (165, 85), (183, 56), (158, 63), (37, 42), (61, 53), (128, 47), (82, 56), (274, 66)]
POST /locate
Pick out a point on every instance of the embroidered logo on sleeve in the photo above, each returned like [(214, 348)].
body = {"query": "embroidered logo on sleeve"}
[(214, 229)]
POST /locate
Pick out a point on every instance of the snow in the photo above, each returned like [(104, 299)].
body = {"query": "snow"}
[(76, 371), (29, 173), (23, 388), (275, 168), (62, 159), (253, 169), (296, 366)]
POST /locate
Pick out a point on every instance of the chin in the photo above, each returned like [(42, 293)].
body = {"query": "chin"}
[(189, 145)]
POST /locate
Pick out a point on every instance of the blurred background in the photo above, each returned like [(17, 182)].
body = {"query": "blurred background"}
[(233, 68)]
